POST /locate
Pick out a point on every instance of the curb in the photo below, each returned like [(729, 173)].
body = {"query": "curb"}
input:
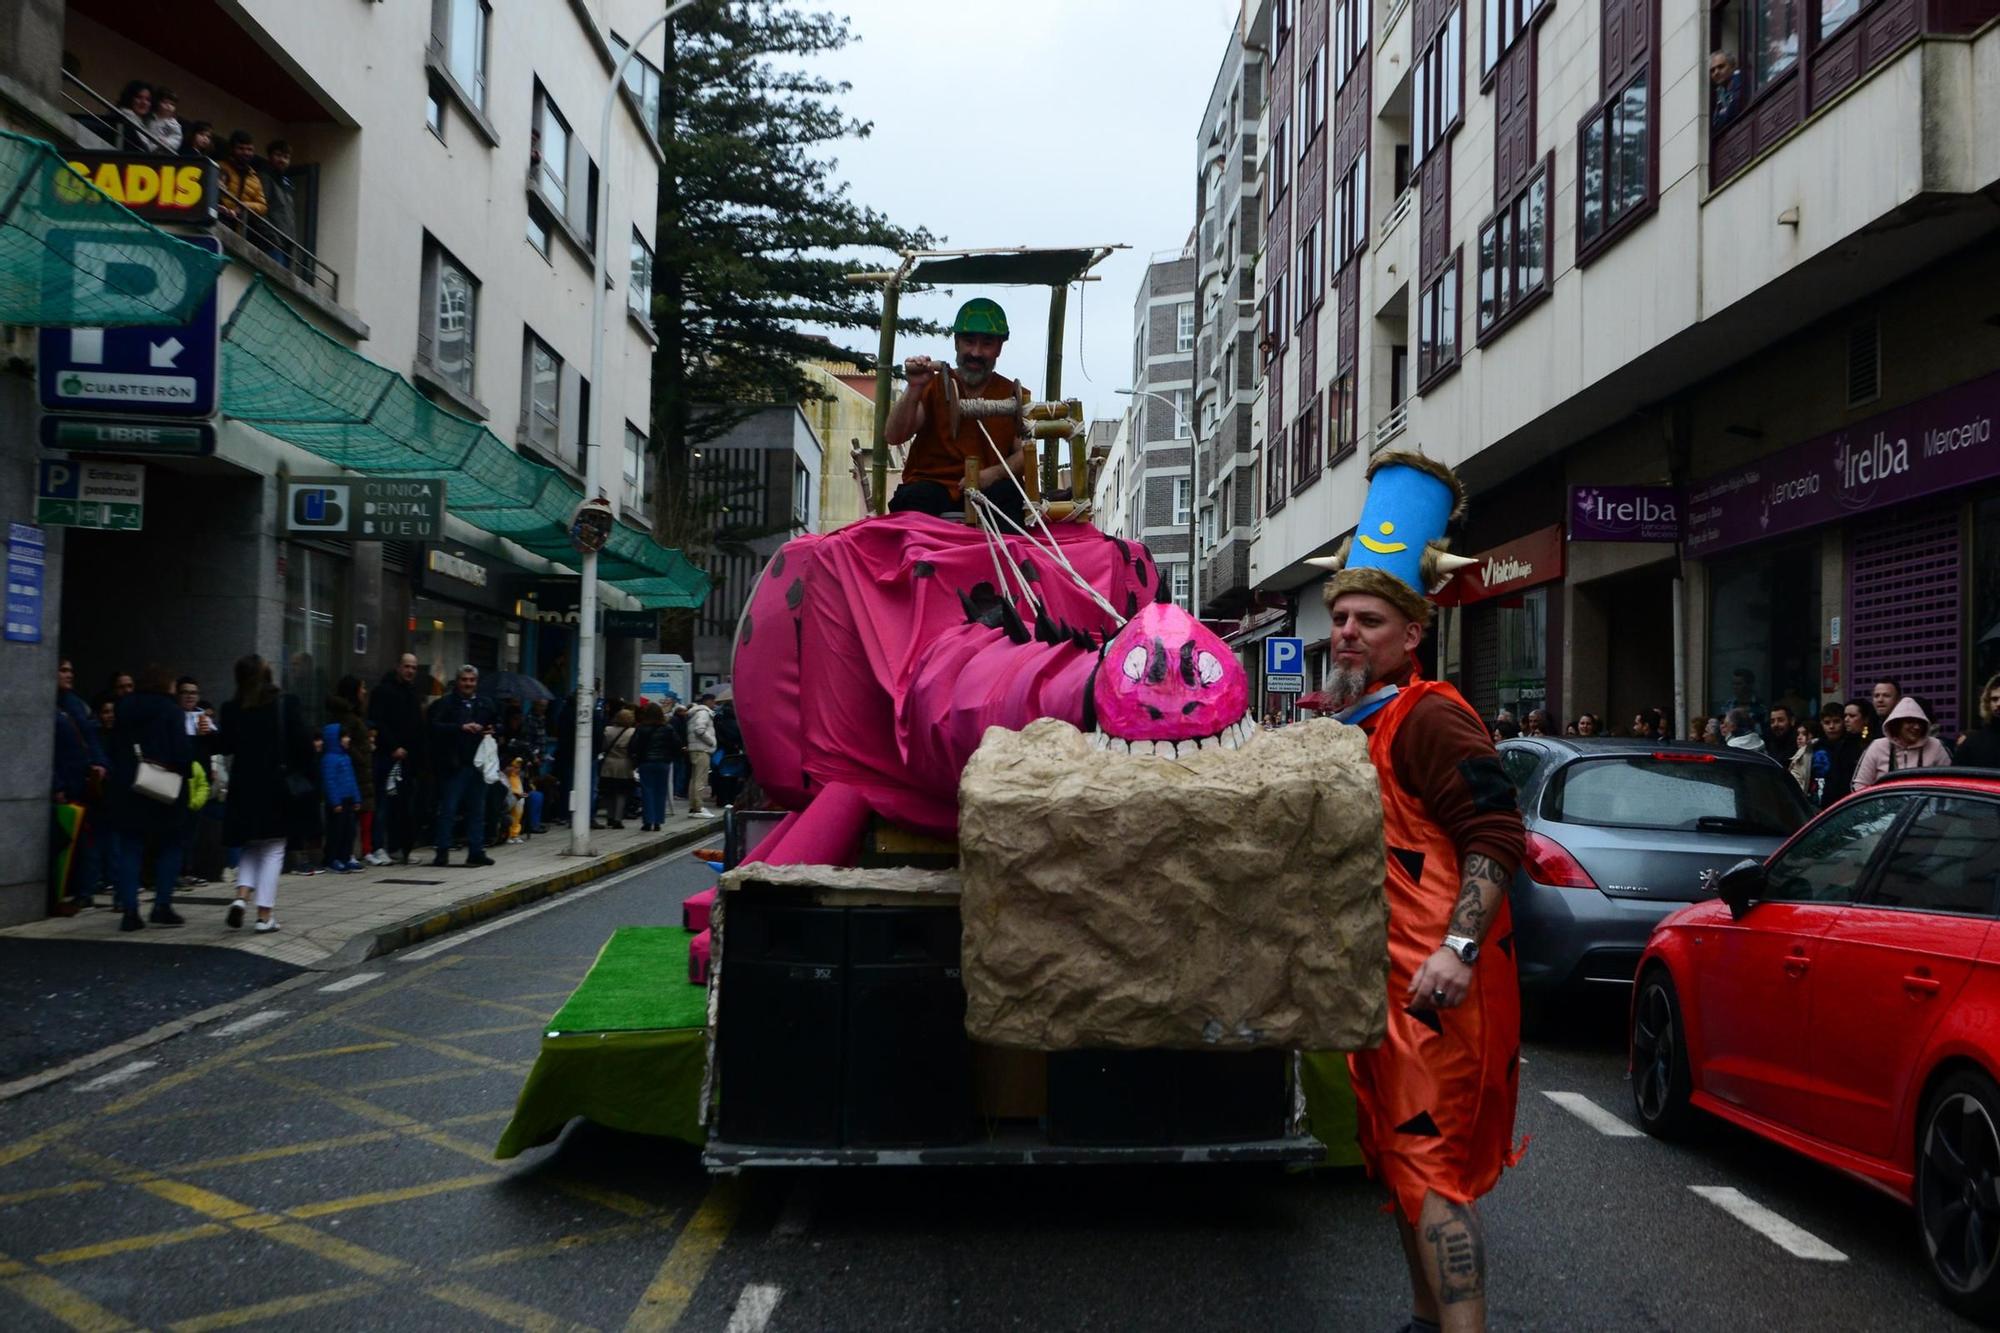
[(427, 926), (441, 921)]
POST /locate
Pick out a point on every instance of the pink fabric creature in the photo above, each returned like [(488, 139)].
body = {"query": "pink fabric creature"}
[(1168, 677)]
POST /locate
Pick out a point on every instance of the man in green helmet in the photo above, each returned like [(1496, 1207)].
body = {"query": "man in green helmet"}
[(934, 466)]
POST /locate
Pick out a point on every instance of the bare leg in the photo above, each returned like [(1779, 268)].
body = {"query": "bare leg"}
[(1451, 1255), (1423, 1302)]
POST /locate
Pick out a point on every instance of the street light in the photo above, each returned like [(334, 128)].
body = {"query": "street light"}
[(1194, 493), (586, 606)]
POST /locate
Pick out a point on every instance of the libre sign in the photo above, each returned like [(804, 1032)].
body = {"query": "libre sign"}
[(1943, 442), (1624, 514)]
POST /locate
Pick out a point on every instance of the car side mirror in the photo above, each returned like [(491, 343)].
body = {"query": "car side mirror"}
[(1741, 885)]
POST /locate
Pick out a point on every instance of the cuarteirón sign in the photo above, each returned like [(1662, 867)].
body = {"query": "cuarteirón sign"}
[(1943, 442)]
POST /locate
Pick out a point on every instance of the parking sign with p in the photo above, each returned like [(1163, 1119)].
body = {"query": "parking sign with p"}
[(1284, 666)]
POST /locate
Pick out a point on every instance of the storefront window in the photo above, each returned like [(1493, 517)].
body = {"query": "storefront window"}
[(316, 651), (1985, 566), (1774, 38), (1764, 630), (1524, 659)]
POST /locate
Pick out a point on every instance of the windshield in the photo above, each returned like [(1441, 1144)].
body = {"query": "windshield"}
[(1642, 791)]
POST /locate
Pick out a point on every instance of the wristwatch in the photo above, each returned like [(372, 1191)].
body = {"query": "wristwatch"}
[(1464, 946)]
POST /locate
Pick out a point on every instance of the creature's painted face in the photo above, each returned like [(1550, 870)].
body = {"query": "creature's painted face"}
[(1167, 678)]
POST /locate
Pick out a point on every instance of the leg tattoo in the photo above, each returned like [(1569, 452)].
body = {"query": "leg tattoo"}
[(1458, 1248)]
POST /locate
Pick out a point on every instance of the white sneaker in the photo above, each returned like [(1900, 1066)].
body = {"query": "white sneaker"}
[(229, 875), (378, 857), (266, 927)]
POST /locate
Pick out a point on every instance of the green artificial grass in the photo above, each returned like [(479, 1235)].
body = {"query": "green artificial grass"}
[(639, 983)]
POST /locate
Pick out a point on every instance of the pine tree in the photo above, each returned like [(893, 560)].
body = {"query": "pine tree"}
[(756, 235)]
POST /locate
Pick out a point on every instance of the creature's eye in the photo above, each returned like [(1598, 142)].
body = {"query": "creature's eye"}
[(1135, 663), (1209, 669)]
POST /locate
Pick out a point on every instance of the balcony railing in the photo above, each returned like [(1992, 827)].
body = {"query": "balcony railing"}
[(1389, 427), (99, 115), (1396, 8), (1397, 211)]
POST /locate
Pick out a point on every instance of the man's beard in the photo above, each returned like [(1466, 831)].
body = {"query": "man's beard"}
[(1345, 685), (974, 371)]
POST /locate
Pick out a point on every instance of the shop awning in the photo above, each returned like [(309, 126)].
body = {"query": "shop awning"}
[(72, 256), (288, 379)]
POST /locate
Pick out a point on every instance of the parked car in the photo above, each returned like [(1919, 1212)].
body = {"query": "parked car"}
[(1620, 833), (1843, 999)]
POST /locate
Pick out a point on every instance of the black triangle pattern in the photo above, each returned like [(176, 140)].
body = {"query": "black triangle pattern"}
[(1422, 1125), (1428, 1017)]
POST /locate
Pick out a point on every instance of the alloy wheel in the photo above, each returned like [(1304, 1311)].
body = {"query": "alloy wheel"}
[(1655, 1038), (1958, 1192)]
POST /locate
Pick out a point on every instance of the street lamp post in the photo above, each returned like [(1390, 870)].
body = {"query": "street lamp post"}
[(586, 619), (1194, 493)]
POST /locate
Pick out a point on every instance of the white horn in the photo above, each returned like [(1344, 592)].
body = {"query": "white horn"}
[(1449, 564), (1336, 563)]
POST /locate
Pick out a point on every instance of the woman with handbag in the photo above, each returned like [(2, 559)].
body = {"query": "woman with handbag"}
[(271, 790), (146, 796), (616, 768)]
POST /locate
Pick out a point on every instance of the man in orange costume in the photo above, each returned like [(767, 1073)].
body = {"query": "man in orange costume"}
[(934, 470), (1436, 1099)]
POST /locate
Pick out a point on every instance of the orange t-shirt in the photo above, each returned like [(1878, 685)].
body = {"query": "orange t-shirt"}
[(937, 456)]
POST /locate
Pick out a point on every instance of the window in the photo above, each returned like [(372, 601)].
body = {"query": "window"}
[(1513, 253), (634, 497), (1281, 164), (458, 35), (541, 397), (639, 283), (1275, 472), (1350, 35), (1437, 326), (643, 77), (1276, 325), (1948, 859), (1506, 20), (551, 151), (1774, 38), (1350, 213), (1182, 426), (434, 110), (1181, 583), (447, 320), (1833, 15), (1614, 162), (562, 177), (1639, 791), (1311, 271), (1305, 447), (1207, 527), (538, 232), (1827, 864), (1183, 501), (801, 495), (1184, 327), (1309, 101), (1436, 89), (1343, 411)]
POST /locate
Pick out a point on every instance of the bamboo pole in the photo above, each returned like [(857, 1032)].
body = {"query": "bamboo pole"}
[(1052, 388), (885, 363)]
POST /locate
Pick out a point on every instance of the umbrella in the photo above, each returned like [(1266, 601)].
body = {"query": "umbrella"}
[(514, 685)]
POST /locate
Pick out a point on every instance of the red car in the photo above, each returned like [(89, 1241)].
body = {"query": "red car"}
[(1843, 999)]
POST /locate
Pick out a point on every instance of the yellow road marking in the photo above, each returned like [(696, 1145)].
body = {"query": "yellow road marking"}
[(152, 1241), (285, 1150), (284, 1305), (71, 1308), (206, 1202), (352, 1105), (501, 1311), (50, 1192), (612, 1199), (378, 1197), (479, 1117), (417, 1080), (673, 1287), (502, 1030), (335, 1251), (551, 1248), (445, 1049), (329, 1051), (539, 1015)]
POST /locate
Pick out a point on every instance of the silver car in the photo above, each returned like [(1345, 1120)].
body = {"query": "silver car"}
[(1619, 833)]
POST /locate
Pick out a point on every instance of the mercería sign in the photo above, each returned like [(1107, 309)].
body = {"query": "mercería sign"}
[(1624, 514), (160, 189), (1940, 443), (1510, 567)]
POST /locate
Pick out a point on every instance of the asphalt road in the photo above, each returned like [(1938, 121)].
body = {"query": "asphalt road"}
[(327, 1165)]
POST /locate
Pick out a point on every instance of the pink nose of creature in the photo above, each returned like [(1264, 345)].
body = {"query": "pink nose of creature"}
[(1168, 677)]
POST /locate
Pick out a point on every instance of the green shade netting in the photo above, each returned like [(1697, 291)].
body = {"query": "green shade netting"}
[(71, 256), (288, 379)]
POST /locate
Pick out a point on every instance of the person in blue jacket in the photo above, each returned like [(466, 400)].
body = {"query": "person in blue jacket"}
[(342, 790)]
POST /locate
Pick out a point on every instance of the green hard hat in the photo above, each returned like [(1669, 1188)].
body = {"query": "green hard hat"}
[(980, 315)]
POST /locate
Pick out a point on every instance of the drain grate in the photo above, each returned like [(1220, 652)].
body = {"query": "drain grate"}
[(425, 883)]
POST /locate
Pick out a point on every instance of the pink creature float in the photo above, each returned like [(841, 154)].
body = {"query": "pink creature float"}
[(871, 661)]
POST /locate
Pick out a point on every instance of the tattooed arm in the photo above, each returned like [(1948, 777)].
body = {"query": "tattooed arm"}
[(1481, 882)]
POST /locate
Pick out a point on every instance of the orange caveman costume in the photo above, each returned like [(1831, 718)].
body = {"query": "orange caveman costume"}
[(1436, 1099)]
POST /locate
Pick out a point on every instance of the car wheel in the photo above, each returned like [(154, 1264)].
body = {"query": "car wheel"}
[(1958, 1191), (1660, 1081)]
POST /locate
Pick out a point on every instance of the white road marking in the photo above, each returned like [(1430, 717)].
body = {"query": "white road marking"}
[(1590, 1113), (251, 1024), (754, 1308), (1787, 1236), (122, 1074), (349, 983), (452, 941)]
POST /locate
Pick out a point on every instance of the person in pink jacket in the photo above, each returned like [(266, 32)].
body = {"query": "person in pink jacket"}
[(1909, 744)]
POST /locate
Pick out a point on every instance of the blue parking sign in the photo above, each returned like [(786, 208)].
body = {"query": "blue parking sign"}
[(1284, 666)]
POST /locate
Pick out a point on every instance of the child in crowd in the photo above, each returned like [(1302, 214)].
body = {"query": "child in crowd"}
[(343, 798)]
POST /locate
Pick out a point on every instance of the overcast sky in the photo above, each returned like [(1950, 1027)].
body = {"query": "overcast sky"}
[(1035, 122)]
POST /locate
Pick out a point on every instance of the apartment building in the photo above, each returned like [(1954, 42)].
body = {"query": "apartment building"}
[(1699, 300), (1229, 233), (443, 179), (762, 480), (1158, 490)]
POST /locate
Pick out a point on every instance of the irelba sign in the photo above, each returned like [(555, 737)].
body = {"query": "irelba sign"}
[(1624, 514), (1935, 445)]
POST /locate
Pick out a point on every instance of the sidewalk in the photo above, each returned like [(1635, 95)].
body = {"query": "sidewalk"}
[(331, 921)]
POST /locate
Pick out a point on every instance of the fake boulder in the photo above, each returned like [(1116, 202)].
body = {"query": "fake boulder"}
[(1229, 898)]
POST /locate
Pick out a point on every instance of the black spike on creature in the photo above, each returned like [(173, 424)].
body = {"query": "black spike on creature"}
[(1163, 594)]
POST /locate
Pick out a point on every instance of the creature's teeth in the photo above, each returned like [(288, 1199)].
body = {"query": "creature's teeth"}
[(1117, 745), (1099, 741), (1210, 743), (1183, 749), (1165, 750), (1229, 739)]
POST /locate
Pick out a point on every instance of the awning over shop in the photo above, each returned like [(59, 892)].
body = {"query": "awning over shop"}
[(288, 379), (72, 256)]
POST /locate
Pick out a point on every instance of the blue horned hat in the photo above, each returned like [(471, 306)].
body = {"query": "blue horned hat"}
[(1398, 551)]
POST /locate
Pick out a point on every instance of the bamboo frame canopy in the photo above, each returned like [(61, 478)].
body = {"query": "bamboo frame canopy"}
[(1008, 266)]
